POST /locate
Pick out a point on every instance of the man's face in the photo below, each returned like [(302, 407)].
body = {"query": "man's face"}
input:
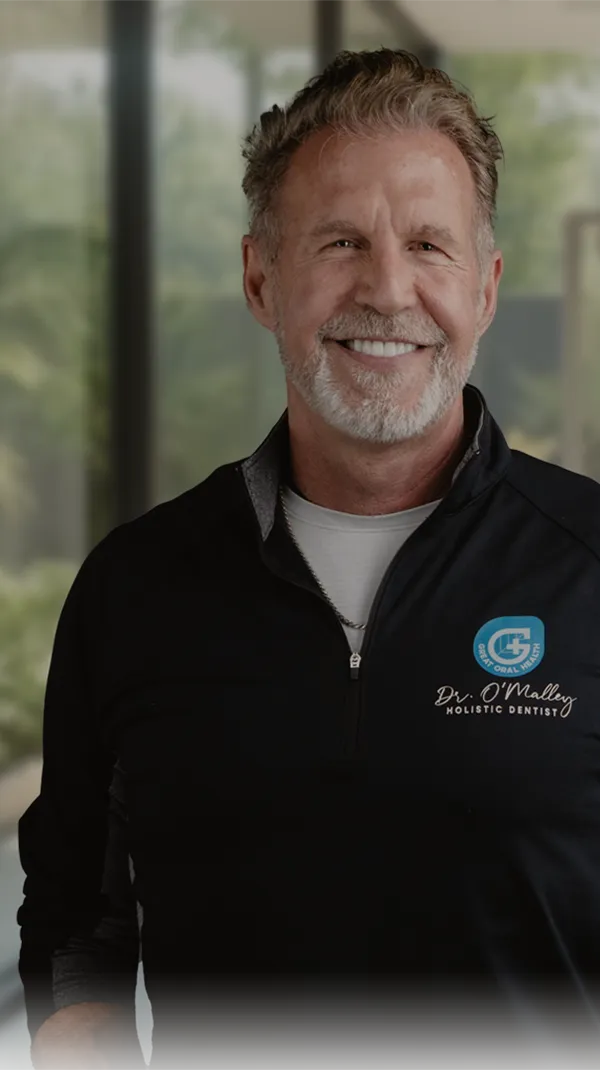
[(403, 266)]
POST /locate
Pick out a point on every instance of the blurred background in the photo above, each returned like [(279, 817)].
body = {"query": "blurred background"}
[(130, 367)]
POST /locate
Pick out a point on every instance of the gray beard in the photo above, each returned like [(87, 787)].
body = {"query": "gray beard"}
[(373, 410)]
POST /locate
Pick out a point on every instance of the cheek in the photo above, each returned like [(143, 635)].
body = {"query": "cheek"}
[(314, 302), (453, 309)]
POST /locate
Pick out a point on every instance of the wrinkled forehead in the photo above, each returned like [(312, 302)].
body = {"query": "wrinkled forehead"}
[(419, 174)]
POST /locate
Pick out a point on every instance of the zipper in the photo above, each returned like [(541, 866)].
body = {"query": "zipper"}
[(357, 659), (355, 663)]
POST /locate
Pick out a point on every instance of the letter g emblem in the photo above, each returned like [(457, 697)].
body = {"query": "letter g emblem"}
[(510, 646), (508, 641)]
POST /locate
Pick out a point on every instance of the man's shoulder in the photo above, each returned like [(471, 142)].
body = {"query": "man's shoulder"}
[(172, 526), (570, 500)]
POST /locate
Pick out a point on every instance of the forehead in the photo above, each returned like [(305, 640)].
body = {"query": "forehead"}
[(416, 175)]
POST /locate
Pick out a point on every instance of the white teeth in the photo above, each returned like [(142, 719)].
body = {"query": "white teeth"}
[(382, 349)]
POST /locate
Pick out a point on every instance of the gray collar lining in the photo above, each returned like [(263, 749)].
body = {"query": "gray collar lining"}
[(262, 470)]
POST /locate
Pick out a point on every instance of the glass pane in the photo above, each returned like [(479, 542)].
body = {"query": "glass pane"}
[(538, 364), (52, 365), (220, 386)]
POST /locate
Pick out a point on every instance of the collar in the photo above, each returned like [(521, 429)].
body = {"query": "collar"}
[(484, 462)]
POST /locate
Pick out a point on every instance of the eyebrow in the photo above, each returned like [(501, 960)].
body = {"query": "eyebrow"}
[(330, 226), (424, 232)]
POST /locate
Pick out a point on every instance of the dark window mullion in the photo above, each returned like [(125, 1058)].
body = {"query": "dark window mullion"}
[(329, 31), (131, 264)]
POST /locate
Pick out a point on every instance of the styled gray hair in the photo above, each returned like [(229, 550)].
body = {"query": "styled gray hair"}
[(367, 94)]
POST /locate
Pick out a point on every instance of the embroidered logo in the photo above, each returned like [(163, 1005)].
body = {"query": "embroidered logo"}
[(510, 646)]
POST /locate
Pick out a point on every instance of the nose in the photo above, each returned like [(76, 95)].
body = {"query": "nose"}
[(386, 280)]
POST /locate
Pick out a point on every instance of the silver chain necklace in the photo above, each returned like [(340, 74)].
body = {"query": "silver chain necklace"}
[(340, 616)]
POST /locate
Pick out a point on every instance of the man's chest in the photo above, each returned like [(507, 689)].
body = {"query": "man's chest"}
[(481, 695)]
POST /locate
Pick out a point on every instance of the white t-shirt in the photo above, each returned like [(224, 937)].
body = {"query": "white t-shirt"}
[(350, 553)]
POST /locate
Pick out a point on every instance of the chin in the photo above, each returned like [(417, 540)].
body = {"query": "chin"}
[(383, 420), (374, 423), (380, 409), (376, 430)]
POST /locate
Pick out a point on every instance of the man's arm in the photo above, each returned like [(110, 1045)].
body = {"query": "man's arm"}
[(87, 1036), (79, 931)]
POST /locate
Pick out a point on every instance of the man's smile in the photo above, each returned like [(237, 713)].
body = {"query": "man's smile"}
[(374, 353)]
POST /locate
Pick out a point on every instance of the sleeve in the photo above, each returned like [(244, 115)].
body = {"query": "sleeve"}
[(78, 918)]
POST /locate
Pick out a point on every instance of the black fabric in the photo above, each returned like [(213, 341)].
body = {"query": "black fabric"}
[(290, 825)]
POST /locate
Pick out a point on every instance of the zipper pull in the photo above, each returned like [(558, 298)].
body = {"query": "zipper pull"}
[(355, 660)]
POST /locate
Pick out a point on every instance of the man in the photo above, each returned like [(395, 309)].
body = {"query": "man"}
[(344, 693)]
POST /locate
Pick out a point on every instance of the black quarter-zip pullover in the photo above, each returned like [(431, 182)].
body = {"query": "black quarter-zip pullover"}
[(426, 819)]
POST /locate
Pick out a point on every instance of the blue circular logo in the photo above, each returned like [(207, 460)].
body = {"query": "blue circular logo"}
[(510, 646)]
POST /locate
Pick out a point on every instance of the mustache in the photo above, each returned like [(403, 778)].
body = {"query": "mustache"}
[(420, 335)]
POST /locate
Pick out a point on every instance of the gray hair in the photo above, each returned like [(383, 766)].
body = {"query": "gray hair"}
[(367, 94)]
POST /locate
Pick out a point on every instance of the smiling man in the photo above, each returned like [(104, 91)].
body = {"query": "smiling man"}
[(330, 720), (378, 302)]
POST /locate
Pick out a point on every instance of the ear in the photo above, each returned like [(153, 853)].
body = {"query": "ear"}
[(489, 294), (258, 284)]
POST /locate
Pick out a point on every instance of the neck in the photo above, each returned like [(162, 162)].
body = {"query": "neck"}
[(349, 476)]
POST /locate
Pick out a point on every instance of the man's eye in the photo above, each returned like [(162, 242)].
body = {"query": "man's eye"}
[(430, 245)]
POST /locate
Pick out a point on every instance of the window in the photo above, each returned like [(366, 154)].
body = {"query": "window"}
[(52, 363)]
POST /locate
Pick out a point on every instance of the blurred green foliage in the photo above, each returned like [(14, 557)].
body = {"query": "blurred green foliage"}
[(543, 108), (30, 604)]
